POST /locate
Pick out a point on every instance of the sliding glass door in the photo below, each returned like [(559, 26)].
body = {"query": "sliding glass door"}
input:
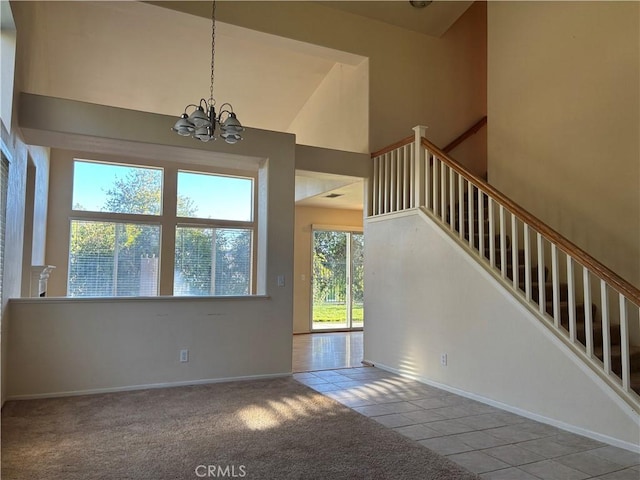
[(338, 280)]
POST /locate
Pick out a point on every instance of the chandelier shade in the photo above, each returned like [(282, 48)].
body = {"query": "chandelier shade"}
[(201, 123)]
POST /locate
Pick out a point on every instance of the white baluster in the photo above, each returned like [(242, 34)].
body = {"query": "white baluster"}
[(400, 180), (555, 278), (460, 207), (624, 344), (408, 179), (492, 234), (542, 302), (380, 188), (527, 263), (572, 299), (480, 223), (428, 168), (503, 243), (374, 181), (436, 183), (443, 190), (393, 181), (470, 213), (606, 327), (451, 209), (588, 320), (386, 183), (514, 252), (400, 190)]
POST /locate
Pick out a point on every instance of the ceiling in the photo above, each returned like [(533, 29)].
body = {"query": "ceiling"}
[(434, 19), (314, 189)]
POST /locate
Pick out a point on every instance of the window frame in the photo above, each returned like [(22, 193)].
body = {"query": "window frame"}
[(168, 220)]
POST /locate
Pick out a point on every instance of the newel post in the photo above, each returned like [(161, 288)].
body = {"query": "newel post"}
[(419, 166)]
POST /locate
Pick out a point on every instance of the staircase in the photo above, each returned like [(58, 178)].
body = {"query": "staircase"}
[(588, 307), (597, 335)]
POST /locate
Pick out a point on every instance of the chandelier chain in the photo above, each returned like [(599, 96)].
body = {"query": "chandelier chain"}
[(213, 47), (203, 122)]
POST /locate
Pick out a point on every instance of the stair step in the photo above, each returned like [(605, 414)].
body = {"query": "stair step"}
[(563, 291), (521, 279), (564, 310), (614, 333), (616, 355)]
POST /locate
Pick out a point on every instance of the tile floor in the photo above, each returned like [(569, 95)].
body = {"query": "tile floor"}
[(491, 442)]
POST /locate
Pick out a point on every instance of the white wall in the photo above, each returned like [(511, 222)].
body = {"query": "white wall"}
[(425, 296), (564, 120)]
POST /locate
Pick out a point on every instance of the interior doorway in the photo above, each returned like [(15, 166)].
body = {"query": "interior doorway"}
[(337, 279)]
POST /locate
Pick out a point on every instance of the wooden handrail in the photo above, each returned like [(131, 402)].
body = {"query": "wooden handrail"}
[(391, 148), (471, 131), (631, 292), (461, 138)]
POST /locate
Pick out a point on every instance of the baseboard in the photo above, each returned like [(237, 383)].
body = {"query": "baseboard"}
[(518, 411), (128, 388)]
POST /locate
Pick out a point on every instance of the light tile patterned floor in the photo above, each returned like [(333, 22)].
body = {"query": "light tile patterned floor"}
[(491, 442)]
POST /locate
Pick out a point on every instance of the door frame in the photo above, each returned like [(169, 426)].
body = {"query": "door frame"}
[(333, 228)]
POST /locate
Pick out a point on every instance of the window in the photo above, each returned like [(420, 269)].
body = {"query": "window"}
[(214, 250), (215, 197), (116, 236), (113, 259), (212, 261), (103, 187)]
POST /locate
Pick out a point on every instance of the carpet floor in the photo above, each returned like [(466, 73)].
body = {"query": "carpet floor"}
[(265, 429)]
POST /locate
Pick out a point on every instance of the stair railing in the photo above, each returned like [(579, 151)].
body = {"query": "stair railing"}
[(589, 307)]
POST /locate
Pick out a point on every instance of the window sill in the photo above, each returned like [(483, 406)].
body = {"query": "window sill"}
[(159, 298)]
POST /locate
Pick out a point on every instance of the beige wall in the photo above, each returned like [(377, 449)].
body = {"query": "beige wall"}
[(496, 349), (564, 120), (414, 79), (15, 249), (79, 346), (112, 344), (335, 114), (306, 217), (22, 217)]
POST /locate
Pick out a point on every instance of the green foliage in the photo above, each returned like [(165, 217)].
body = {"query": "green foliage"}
[(139, 192), (336, 313), (330, 269)]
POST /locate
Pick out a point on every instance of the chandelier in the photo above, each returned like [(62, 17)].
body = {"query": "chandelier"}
[(201, 123)]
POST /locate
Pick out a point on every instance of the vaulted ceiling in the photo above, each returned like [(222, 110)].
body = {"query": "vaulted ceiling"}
[(138, 56)]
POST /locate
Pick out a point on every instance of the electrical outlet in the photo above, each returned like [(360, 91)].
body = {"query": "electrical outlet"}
[(443, 359), (184, 355)]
